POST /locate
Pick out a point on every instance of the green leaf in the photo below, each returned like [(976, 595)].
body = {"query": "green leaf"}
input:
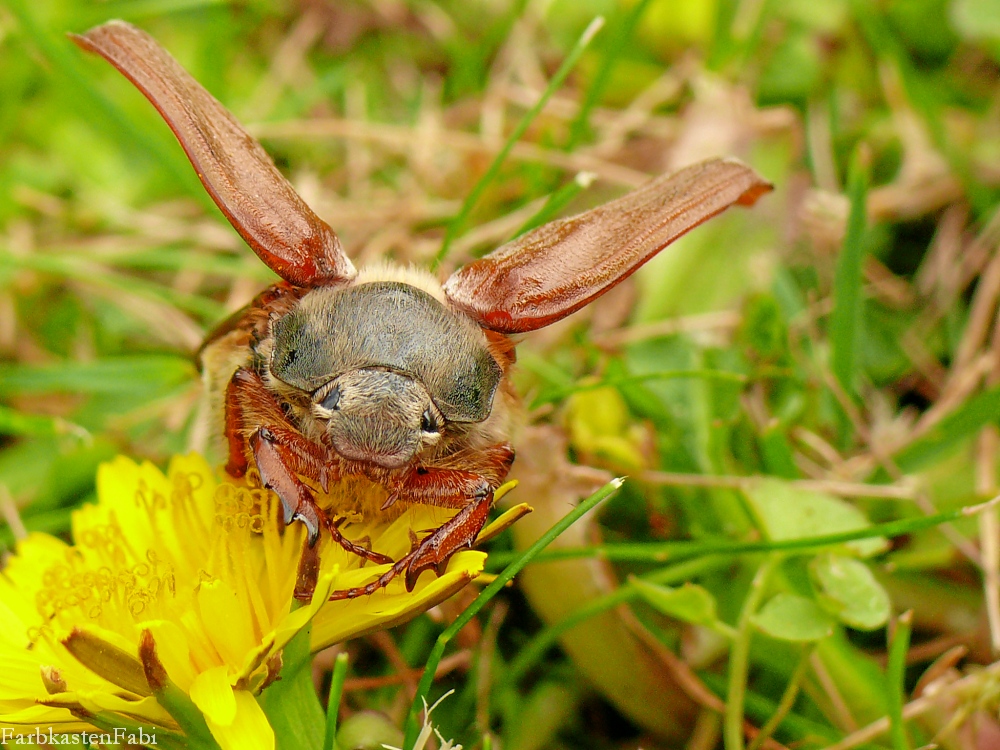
[(291, 704), (848, 590), (795, 69), (598, 422), (786, 512), (763, 327), (689, 602), (788, 617)]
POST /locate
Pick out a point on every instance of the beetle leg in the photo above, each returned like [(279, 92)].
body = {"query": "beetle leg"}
[(273, 456), (282, 455), (248, 403), (434, 551), (308, 572), (456, 534), (447, 486), (470, 492), (360, 547), (279, 455), (236, 441)]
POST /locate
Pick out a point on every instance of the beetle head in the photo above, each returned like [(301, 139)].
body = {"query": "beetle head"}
[(386, 368), (378, 416)]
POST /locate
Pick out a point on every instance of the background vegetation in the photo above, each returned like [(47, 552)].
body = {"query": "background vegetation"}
[(825, 364)]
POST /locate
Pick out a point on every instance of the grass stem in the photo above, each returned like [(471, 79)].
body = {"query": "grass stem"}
[(458, 223)]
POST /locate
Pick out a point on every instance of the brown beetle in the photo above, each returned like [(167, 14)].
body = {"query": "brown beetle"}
[(387, 380)]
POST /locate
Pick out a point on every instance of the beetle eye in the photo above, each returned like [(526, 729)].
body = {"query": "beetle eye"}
[(428, 422), (332, 399)]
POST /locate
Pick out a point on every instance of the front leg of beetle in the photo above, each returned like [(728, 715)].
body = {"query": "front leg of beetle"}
[(281, 455), (469, 491), (458, 533), (274, 453), (279, 452), (434, 551), (438, 486)]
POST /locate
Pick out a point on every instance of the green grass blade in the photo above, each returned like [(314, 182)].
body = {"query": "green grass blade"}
[(14, 422), (456, 225), (846, 318), (77, 268), (895, 674), (555, 202), (136, 9), (139, 373), (659, 552), (522, 559), (739, 657), (333, 703), (924, 94), (785, 704), (532, 653), (617, 46), (64, 60), (951, 432), (761, 708)]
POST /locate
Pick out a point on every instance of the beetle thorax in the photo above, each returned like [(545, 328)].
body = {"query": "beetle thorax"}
[(382, 369)]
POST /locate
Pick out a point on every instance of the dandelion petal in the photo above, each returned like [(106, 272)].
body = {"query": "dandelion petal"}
[(249, 729), (212, 693), (172, 650)]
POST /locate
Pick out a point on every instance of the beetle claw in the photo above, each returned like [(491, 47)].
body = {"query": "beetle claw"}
[(418, 565), (311, 524)]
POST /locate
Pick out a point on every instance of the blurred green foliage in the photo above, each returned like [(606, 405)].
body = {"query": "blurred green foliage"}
[(841, 334)]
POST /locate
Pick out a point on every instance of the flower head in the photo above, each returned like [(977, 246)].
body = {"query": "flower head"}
[(187, 582)]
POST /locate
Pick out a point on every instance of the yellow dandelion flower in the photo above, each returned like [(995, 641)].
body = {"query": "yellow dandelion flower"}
[(178, 590)]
